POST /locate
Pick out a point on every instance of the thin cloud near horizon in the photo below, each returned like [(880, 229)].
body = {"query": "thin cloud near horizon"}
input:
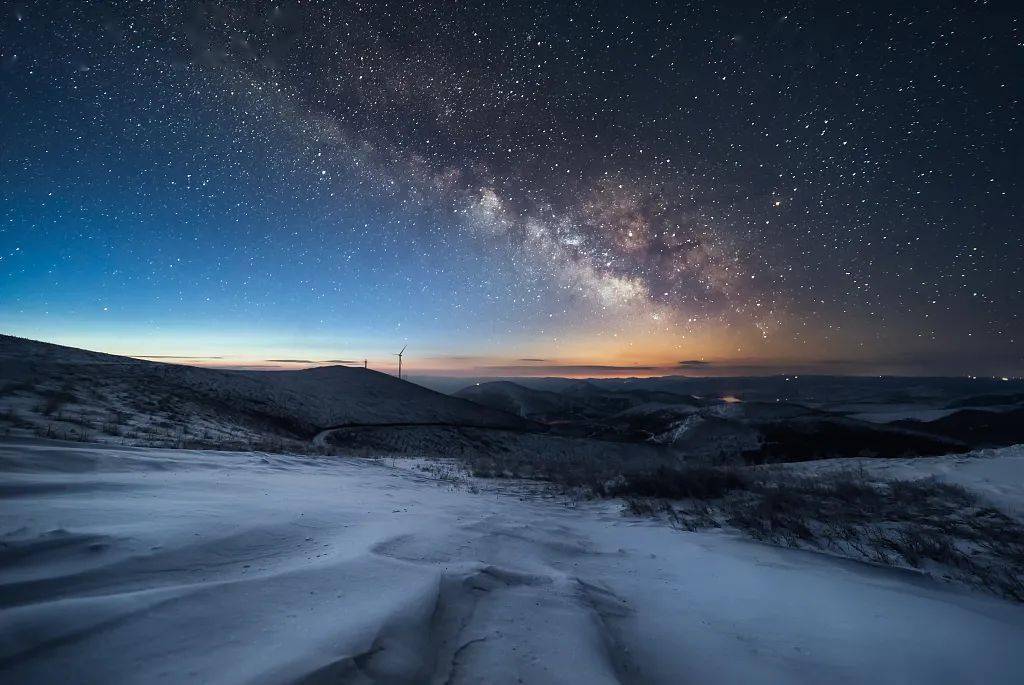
[(569, 368), (316, 361), (169, 356)]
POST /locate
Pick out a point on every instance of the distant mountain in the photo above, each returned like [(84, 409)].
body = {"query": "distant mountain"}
[(992, 400), (846, 393), (711, 428), (977, 427), (766, 433), (62, 392), (572, 401), (831, 437), (519, 400), (67, 392)]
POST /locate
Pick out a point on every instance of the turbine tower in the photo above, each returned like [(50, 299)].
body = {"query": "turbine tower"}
[(399, 355)]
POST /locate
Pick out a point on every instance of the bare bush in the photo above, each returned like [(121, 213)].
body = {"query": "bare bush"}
[(11, 417), (16, 387), (922, 524), (55, 401), (697, 482), (929, 525)]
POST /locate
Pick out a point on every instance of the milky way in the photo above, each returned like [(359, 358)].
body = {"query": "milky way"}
[(824, 186)]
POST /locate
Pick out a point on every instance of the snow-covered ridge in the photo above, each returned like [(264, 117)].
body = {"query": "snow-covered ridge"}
[(65, 392)]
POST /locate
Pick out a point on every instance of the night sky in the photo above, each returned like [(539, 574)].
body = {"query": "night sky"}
[(512, 188)]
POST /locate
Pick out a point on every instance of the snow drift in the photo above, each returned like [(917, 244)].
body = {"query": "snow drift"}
[(140, 565)]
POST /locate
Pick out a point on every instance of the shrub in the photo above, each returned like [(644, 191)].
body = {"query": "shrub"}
[(924, 524), (696, 482), (55, 401)]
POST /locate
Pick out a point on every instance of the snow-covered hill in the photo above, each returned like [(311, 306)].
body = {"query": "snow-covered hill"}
[(519, 400), (61, 392), (135, 565), (574, 400)]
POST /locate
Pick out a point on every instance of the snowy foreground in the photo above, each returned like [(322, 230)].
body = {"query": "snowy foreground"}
[(147, 565)]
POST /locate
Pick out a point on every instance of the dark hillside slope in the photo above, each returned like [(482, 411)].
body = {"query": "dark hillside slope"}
[(977, 427), (67, 392)]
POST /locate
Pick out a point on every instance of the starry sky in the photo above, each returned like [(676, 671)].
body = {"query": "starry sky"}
[(580, 188)]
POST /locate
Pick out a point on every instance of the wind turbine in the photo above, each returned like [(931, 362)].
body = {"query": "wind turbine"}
[(399, 355)]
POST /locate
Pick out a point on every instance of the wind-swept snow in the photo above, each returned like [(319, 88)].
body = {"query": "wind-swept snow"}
[(146, 565)]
